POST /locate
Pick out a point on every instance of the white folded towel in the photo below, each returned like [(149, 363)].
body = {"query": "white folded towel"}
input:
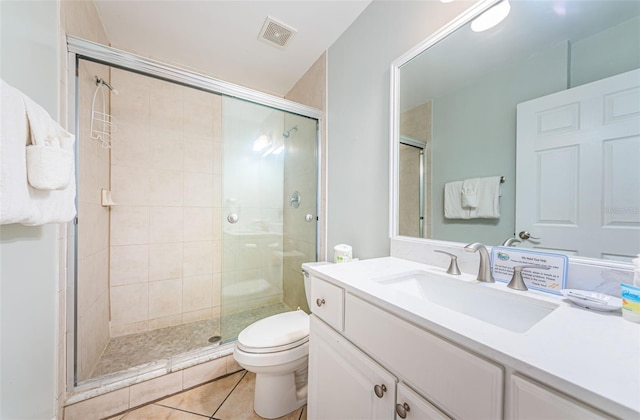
[(15, 202), (19, 201), (50, 155), (488, 192), (453, 202), (470, 193)]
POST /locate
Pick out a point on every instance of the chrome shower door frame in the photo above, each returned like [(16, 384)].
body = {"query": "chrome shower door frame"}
[(78, 48)]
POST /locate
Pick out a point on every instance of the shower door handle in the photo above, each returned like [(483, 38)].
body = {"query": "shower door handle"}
[(232, 218), (308, 217)]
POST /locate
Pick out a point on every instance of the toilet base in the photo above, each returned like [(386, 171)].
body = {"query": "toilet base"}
[(286, 399)]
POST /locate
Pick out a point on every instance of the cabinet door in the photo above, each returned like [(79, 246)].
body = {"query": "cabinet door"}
[(342, 379), (532, 401), (412, 406)]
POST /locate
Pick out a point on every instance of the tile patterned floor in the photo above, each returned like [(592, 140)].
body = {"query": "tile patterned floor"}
[(227, 398), (138, 349)]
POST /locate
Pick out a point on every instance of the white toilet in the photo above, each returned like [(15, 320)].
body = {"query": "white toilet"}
[(276, 349)]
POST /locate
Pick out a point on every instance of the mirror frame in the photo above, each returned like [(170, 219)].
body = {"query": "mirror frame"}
[(394, 135)]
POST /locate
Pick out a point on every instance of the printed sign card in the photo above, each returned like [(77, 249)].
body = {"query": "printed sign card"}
[(503, 259)]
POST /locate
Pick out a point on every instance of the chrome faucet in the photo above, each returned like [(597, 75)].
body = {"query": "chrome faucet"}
[(511, 242), (484, 270)]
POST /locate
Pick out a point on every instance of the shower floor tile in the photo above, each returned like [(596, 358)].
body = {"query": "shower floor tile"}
[(133, 350)]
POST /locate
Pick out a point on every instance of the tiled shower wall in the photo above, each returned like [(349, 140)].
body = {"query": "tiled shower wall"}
[(166, 226), (93, 231)]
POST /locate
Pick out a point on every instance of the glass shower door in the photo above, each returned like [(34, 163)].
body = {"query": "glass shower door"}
[(263, 238)]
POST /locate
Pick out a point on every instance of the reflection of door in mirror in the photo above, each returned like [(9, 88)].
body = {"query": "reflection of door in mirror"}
[(414, 179), (577, 155)]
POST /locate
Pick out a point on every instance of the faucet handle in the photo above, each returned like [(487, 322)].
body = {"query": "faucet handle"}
[(453, 265), (511, 242), (517, 282)]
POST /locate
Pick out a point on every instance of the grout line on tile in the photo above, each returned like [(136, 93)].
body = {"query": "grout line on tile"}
[(184, 411), (229, 394), (158, 402)]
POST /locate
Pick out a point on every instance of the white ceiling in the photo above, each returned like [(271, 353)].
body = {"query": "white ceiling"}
[(220, 38)]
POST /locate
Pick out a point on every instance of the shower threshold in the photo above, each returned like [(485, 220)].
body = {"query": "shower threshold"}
[(139, 357)]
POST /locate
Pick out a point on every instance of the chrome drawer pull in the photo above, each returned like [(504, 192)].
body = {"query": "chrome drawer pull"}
[(319, 302), (402, 410), (380, 390)]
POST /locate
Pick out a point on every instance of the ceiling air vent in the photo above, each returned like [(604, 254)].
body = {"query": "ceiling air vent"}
[(276, 33)]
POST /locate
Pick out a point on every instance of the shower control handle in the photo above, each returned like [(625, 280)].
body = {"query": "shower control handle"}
[(320, 302), (380, 390), (233, 218)]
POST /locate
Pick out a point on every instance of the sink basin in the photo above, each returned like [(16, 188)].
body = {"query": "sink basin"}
[(500, 308)]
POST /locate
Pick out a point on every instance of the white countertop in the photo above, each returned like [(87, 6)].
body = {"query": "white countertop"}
[(593, 356)]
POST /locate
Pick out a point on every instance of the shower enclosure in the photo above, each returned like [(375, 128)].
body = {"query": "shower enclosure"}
[(194, 217)]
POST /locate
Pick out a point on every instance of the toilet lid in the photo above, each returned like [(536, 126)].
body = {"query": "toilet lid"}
[(275, 333)]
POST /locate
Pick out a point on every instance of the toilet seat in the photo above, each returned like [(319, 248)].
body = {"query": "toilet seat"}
[(275, 333)]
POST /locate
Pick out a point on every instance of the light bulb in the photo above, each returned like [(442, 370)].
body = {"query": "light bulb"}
[(491, 17)]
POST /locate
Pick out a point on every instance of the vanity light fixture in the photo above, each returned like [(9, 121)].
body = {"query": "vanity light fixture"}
[(491, 17)]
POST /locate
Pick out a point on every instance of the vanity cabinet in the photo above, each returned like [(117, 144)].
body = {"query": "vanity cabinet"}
[(530, 400), (460, 383), (344, 383), (358, 348), (375, 348)]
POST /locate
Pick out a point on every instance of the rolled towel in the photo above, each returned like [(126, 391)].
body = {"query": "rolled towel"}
[(470, 193)]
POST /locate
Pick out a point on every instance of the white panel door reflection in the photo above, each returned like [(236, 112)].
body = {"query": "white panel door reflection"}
[(578, 169)]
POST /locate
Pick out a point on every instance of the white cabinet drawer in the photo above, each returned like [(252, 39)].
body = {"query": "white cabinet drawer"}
[(532, 401), (327, 302), (460, 383), (412, 406)]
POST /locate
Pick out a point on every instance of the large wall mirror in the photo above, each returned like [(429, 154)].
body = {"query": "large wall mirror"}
[(549, 101)]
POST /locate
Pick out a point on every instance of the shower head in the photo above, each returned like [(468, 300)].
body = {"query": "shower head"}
[(286, 134), (103, 82)]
